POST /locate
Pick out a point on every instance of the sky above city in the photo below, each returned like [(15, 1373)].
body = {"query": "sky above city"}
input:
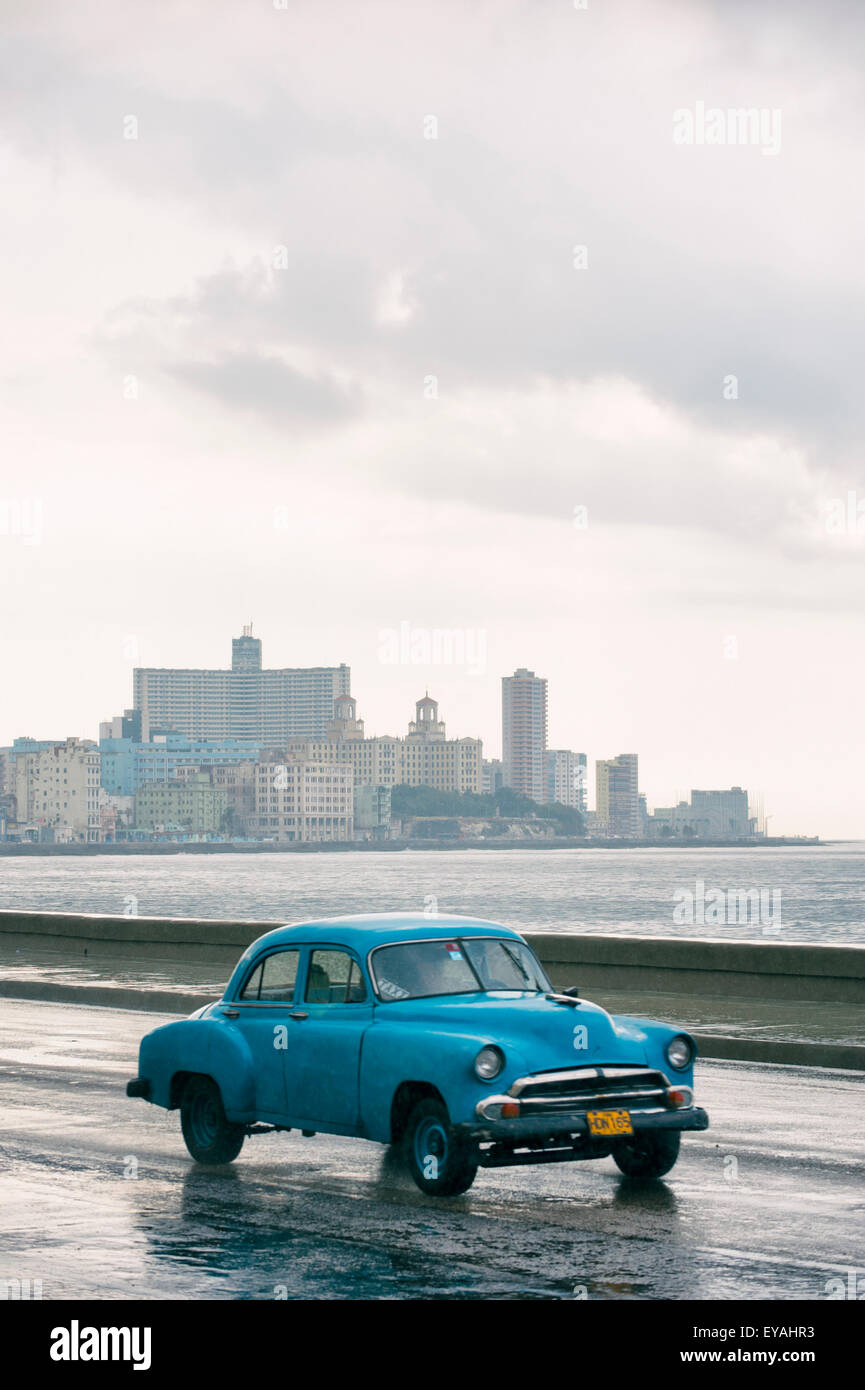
[(491, 320)]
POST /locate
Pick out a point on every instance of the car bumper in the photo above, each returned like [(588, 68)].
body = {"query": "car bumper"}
[(139, 1088), (560, 1124), (557, 1104)]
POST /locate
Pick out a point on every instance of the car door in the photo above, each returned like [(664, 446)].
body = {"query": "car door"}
[(322, 1063), (263, 1008)]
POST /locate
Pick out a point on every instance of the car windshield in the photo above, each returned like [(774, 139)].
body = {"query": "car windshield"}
[(418, 969)]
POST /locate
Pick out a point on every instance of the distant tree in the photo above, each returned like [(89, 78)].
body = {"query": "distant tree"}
[(427, 801)]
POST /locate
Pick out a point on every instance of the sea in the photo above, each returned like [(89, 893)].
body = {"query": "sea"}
[(789, 893)]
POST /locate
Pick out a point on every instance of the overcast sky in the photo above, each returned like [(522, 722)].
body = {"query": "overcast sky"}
[(336, 317)]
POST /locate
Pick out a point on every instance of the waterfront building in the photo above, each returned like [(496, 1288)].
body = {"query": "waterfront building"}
[(709, 815), (57, 789), (524, 733), (491, 776), (8, 816), (617, 797), (424, 757), (128, 764), (245, 702), (116, 816), (191, 805), (372, 813), (724, 813), (303, 800), (566, 776)]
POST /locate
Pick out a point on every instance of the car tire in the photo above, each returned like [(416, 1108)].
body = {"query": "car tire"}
[(442, 1162), (648, 1155), (208, 1135)]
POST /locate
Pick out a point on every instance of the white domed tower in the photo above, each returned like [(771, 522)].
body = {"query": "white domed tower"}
[(426, 723), (345, 723)]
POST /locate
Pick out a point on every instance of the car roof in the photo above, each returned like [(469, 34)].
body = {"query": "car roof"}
[(366, 930)]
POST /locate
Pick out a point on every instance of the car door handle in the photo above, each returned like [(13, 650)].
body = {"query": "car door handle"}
[(299, 1014), (231, 1013)]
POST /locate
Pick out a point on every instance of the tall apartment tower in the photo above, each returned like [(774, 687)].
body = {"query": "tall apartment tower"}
[(566, 778), (246, 702), (246, 651), (618, 797), (524, 733)]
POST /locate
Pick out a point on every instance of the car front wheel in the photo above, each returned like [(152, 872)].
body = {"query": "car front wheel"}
[(648, 1155), (442, 1162), (209, 1136)]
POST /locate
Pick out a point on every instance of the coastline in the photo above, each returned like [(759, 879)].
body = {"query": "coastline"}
[(132, 848)]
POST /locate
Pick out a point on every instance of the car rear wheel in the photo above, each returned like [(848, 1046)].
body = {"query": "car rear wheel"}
[(442, 1162), (208, 1135), (647, 1155)]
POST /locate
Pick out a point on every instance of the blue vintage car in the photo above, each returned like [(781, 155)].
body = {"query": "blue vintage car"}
[(441, 1035)]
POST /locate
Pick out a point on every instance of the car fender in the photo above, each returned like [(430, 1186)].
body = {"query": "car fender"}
[(394, 1054), (653, 1037), (209, 1046)]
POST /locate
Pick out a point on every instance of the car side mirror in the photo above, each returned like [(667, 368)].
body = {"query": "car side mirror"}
[(573, 992)]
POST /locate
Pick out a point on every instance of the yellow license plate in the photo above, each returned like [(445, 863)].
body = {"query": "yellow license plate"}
[(609, 1122)]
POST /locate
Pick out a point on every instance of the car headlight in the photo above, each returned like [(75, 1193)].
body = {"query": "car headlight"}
[(680, 1053), (489, 1062)]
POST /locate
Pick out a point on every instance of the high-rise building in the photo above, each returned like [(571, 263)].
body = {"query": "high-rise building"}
[(246, 651), (246, 702), (617, 797), (524, 733), (566, 778)]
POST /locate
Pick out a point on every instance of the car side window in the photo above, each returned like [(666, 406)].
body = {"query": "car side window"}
[(273, 981), (334, 978), (253, 985)]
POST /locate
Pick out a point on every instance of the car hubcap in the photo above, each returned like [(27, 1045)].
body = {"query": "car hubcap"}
[(430, 1147), (205, 1120)]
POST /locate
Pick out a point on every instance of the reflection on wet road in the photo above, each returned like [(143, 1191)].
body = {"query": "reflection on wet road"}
[(100, 1199)]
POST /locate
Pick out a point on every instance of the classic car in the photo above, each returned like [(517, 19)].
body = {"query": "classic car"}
[(441, 1035)]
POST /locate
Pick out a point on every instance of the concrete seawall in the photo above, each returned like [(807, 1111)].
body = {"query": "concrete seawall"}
[(770, 969), (677, 975)]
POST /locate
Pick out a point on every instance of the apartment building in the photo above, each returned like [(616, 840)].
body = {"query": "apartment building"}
[(128, 763), (566, 778), (190, 804), (245, 702), (524, 733), (302, 799), (617, 797), (57, 788)]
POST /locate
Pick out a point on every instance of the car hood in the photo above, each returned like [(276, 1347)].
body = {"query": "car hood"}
[(545, 1034)]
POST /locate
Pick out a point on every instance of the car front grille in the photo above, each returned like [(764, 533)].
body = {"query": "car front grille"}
[(596, 1088)]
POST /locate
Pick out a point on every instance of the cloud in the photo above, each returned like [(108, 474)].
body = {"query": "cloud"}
[(271, 387)]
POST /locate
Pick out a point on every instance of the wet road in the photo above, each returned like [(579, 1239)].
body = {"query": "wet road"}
[(100, 1200)]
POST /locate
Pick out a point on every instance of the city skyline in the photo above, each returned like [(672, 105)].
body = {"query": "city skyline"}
[(347, 344), (524, 711)]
